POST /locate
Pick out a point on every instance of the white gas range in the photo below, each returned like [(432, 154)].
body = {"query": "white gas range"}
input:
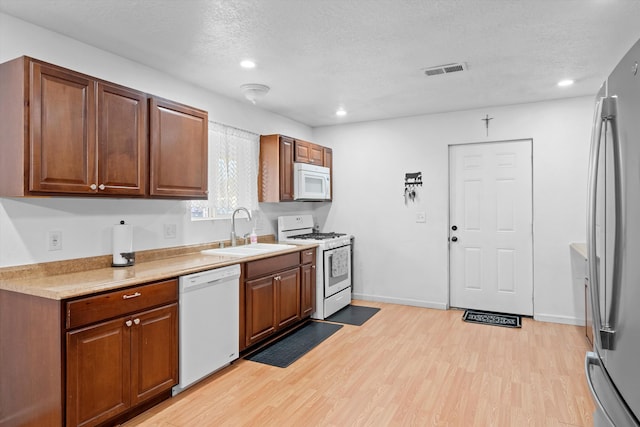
[(333, 262)]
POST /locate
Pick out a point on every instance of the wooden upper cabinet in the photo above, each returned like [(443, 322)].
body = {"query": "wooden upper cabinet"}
[(62, 132), (178, 150), (82, 136), (67, 133), (122, 140), (308, 152), (275, 176)]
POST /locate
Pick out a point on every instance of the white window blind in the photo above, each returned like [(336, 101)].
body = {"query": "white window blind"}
[(233, 172)]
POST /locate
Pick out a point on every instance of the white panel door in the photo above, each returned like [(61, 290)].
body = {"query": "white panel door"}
[(490, 234)]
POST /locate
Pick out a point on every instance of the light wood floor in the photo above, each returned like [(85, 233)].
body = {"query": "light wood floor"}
[(406, 366)]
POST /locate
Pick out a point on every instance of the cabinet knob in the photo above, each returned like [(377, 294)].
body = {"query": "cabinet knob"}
[(277, 278), (128, 323), (101, 187), (136, 321), (93, 187)]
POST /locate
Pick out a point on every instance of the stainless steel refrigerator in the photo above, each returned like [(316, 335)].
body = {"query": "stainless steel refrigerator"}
[(613, 241)]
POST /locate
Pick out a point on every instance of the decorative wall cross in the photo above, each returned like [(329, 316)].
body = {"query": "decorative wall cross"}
[(486, 122)]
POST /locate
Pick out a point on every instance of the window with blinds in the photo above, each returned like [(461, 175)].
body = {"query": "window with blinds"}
[(233, 173)]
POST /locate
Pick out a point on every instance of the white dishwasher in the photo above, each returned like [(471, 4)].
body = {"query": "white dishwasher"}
[(209, 323)]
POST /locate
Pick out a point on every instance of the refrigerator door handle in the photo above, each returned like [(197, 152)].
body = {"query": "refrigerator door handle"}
[(592, 359), (594, 279), (607, 330)]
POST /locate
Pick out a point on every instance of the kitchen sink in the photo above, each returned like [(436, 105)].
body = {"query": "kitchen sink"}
[(248, 250)]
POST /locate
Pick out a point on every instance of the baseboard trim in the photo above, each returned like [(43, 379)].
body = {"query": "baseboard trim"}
[(401, 301), (540, 317), (554, 318)]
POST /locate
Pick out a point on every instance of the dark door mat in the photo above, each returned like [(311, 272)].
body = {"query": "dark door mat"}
[(353, 315), (284, 352), (489, 318)]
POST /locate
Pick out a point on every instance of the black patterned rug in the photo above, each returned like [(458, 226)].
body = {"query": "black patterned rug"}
[(489, 318), (287, 350), (353, 315)]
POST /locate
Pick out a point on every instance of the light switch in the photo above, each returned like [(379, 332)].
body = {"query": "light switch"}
[(421, 217), (54, 240), (170, 231)]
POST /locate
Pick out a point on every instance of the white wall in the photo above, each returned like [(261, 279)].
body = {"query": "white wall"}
[(86, 222), (399, 260)]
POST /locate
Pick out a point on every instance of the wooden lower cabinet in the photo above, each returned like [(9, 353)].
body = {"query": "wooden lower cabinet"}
[(115, 365), (122, 351), (154, 353), (260, 309), (287, 298), (271, 303), (278, 293), (307, 289), (98, 372)]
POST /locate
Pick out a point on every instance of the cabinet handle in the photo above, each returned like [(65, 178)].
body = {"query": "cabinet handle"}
[(136, 321), (309, 253), (128, 323), (313, 266), (93, 187), (101, 187), (277, 278), (137, 294)]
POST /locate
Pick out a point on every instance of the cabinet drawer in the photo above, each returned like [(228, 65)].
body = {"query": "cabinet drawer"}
[(118, 303), (307, 256), (274, 264)]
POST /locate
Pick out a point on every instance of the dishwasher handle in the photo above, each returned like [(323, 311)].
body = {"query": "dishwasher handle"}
[(209, 278)]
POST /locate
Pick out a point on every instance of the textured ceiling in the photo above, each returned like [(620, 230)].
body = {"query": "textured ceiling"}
[(367, 56)]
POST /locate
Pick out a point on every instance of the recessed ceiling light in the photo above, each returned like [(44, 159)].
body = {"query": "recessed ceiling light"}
[(247, 63), (341, 112), (564, 83)]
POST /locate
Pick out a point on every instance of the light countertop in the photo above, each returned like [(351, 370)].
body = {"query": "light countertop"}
[(69, 285)]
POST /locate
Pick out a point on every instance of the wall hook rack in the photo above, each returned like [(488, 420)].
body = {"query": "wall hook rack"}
[(411, 181)]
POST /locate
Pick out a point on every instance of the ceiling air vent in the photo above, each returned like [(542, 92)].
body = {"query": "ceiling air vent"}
[(445, 69)]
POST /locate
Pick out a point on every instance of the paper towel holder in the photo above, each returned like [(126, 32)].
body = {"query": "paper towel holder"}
[(124, 258)]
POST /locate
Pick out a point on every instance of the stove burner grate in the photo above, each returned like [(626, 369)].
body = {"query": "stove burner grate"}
[(318, 236)]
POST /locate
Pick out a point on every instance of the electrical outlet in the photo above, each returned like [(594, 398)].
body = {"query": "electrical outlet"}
[(54, 240), (170, 231), (421, 217)]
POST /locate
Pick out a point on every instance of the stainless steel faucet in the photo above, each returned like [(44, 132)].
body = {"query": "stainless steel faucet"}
[(233, 223)]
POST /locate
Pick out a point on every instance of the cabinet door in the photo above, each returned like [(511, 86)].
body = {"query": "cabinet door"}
[(154, 352), (63, 130), (178, 150), (286, 169), (288, 297), (308, 152), (260, 309), (98, 372), (307, 289), (122, 140)]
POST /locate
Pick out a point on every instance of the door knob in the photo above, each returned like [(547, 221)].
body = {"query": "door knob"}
[(454, 239), (454, 227)]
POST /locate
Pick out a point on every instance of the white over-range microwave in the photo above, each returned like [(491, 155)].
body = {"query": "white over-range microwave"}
[(311, 182)]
